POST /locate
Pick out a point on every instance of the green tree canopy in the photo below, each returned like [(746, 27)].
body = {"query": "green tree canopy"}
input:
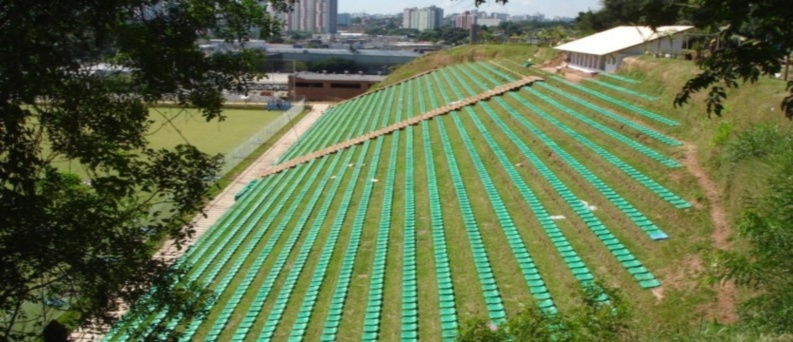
[(86, 244), (756, 40)]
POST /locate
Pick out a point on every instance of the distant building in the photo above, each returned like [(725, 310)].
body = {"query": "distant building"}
[(490, 22), (343, 19), (422, 19), (317, 16), (409, 15), (604, 51), (330, 87), (502, 16), (465, 20)]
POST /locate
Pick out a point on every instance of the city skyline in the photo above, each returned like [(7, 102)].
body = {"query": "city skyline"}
[(549, 8)]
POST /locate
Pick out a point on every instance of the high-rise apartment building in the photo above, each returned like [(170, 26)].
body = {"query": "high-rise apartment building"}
[(317, 16), (422, 19), (409, 16), (343, 19), (465, 20)]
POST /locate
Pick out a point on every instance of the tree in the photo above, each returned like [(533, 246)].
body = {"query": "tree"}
[(755, 38), (85, 244)]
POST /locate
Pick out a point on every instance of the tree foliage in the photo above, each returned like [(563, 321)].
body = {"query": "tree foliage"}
[(767, 225), (447, 35), (755, 39), (85, 245), (594, 320)]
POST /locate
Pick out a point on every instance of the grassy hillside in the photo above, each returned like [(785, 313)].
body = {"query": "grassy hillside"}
[(465, 53), (518, 200)]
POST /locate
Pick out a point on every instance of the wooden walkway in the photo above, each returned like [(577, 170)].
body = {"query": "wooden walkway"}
[(402, 124)]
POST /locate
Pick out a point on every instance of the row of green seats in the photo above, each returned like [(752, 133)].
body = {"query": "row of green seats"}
[(263, 292), (242, 256), (626, 105), (333, 317), (342, 119), (641, 221), (340, 295), (622, 89), (618, 78), (623, 255), (193, 253), (409, 303), (371, 324), (495, 307), (317, 129), (633, 108), (326, 123), (241, 291), (608, 131), (626, 168), (198, 272), (628, 261), (374, 304), (448, 313), (631, 143), (568, 254), (288, 246), (285, 293), (409, 317), (530, 273), (309, 301), (616, 117)]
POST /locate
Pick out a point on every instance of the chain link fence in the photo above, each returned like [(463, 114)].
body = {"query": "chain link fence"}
[(243, 150)]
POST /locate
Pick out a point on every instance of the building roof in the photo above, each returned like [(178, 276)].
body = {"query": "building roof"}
[(315, 76), (340, 52), (619, 38)]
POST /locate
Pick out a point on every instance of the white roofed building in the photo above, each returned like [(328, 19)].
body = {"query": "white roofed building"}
[(604, 51)]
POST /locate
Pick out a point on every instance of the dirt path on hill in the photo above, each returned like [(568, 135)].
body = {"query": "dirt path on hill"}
[(727, 297)]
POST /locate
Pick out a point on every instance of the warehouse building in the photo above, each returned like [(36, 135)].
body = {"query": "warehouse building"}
[(604, 51), (330, 87)]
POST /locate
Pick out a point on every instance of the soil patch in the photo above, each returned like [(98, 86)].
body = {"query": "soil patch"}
[(727, 294)]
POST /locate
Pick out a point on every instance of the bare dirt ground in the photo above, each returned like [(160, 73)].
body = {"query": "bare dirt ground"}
[(727, 296), (559, 66), (223, 201)]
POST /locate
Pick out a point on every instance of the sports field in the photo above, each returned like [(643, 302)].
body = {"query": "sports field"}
[(518, 200), (173, 126)]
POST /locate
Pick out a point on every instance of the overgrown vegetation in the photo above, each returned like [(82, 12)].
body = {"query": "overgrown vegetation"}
[(593, 320), (766, 224)]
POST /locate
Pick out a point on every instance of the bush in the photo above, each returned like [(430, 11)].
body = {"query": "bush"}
[(759, 141), (603, 316)]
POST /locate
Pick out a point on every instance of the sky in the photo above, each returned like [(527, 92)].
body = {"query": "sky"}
[(551, 8)]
